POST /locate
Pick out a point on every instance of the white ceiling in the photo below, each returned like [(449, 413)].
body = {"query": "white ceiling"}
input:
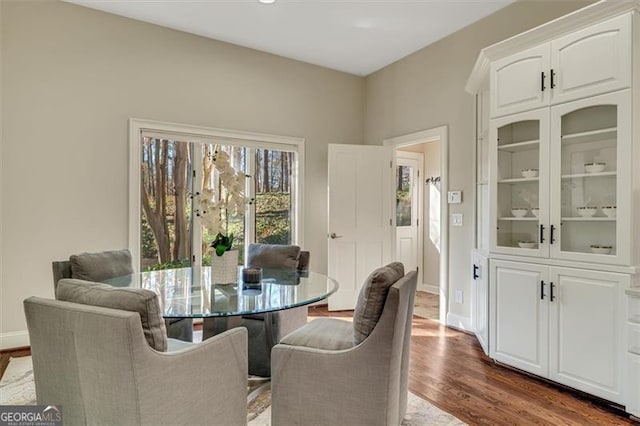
[(354, 36)]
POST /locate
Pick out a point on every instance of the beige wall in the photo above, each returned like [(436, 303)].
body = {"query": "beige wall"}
[(72, 79), (431, 253), (426, 90)]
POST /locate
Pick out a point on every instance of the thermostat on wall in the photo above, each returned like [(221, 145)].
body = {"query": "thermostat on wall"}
[(454, 197)]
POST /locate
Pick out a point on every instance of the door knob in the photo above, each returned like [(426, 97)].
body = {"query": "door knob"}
[(334, 236)]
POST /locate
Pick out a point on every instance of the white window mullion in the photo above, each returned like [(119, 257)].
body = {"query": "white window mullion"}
[(250, 191), (196, 223)]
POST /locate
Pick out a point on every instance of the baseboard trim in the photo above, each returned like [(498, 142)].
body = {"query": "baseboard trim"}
[(433, 289), (16, 339), (459, 322)]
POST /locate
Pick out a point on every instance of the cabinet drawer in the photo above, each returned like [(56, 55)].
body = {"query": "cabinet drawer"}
[(633, 338)]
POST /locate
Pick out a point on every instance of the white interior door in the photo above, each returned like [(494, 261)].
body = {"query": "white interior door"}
[(408, 212), (360, 234)]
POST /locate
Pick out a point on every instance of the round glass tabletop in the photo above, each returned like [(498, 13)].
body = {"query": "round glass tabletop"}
[(181, 296)]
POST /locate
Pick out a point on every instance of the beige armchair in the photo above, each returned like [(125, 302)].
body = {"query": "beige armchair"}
[(110, 264), (265, 330), (97, 364), (321, 376)]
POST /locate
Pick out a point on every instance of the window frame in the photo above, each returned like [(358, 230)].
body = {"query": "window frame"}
[(250, 140)]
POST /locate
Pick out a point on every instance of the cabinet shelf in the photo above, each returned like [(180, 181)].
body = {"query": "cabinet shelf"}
[(519, 219), (591, 136), (588, 219), (520, 146), (583, 175), (518, 180)]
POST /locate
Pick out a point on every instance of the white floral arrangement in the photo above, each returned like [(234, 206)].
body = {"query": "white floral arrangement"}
[(214, 212)]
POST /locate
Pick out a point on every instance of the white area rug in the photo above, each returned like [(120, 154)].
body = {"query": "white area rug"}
[(16, 388)]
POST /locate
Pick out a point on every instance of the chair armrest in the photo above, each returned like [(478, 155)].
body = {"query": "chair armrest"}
[(201, 384)]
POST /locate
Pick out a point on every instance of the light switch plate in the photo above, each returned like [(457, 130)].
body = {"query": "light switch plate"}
[(456, 219), (454, 197)]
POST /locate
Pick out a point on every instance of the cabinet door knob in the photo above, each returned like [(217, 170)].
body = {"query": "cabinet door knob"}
[(475, 272), (542, 82), (551, 237), (541, 234), (541, 290), (553, 74), (551, 296)]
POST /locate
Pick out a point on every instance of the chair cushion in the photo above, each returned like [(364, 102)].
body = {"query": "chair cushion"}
[(142, 301), (273, 256), (322, 333), (100, 266), (371, 299)]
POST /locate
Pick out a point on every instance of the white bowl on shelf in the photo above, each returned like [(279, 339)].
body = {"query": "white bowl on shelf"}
[(519, 212), (598, 249), (609, 211), (594, 167), (529, 173), (527, 244), (535, 211), (586, 211)]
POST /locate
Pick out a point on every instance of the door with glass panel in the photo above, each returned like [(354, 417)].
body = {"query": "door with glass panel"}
[(408, 242), (518, 175), (591, 179)]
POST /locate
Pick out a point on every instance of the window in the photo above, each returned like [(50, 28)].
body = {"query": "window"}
[(174, 165)]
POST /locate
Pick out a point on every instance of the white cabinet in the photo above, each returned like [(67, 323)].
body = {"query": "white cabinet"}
[(518, 82), (519, 315), (560, 181), (480, 288), (563, 199), (586, 336), (591, 61), (584, 63), (560, 323), (633, 352)]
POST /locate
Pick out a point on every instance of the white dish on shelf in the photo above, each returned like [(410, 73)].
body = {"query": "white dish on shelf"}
[(598, 249), (529, 173), (519, 212), (535, 211), (527, 244), (586, 211), (594, 167), (609, 211)]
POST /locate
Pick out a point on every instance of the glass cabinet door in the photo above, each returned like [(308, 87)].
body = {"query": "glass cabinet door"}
[(590, 146), (519, 183)]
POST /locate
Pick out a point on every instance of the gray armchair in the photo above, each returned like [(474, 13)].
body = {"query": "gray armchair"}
[(265, 330), (335, 372), (110, 264), (96, 363)]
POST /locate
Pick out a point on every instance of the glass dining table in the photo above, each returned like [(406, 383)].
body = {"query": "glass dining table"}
[(183, 296)]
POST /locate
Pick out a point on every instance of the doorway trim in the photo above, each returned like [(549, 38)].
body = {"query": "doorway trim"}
[(436, 134)]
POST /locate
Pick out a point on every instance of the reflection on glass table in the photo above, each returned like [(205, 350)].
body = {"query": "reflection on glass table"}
[(181, 296)]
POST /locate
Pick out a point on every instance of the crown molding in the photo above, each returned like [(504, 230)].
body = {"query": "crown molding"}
[(573, 21)]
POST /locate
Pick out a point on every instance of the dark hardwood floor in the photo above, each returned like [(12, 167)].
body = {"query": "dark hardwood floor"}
[(449, 369)]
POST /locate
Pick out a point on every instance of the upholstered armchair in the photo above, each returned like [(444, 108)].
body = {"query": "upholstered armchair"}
[(281, 323), (336, 372), (101, 266), (108, 366)]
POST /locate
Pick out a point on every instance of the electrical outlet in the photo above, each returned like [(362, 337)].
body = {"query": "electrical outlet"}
[(459, 296), (456, 219)]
